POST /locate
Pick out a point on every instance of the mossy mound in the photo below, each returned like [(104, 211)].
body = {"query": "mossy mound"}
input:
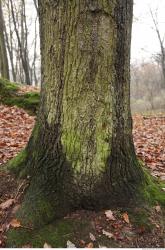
[(78, 228), (16, 164), (55, 234), (152, 191), (9, 95), (140, 218), (7, 89)]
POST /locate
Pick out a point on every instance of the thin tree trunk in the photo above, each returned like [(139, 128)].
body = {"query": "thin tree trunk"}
[(9, 42), (162, 50), (34, 75), (23, 53), (4, 67), (36, 6)]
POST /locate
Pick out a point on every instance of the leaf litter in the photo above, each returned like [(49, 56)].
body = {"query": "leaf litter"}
[(15, 129)]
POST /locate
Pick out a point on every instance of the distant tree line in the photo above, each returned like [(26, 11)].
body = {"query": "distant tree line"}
[(20, 55), (19, 41), (147, 87)]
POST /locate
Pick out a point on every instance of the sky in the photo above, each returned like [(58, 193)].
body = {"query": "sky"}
[(144, 39)]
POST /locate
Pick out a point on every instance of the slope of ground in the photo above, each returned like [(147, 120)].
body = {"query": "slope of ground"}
[(149, 139)]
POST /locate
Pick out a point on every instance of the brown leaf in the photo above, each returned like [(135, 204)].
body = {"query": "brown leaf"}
[(126, 218), (46, 245), (141, 230), (82, 242), (100, 246), (109, 235), (15, 223), (5, 205), (109, 215), (90, 245), (92, 237), (27, 246), (15, 209), (70, 244), (158, 208)]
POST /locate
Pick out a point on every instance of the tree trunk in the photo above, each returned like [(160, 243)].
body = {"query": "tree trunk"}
[(81, 152), (22, 49), (4, 67)]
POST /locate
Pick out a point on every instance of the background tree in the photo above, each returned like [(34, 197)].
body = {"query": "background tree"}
[(160, 57), (147, 91), (4, 67), (22, 41), (23, 49), (36, 5)]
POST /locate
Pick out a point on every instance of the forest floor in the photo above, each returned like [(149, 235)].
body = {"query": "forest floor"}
[(117, 228)]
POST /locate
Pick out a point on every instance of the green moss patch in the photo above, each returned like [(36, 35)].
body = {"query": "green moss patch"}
[(140, 218), (56, 235), (16, 164), (7, 88), (152, 190), (9, 96)]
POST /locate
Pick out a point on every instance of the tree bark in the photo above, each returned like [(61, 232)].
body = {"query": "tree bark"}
[(81, 153), (4, 67)]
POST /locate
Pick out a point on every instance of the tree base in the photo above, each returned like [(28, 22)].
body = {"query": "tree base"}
[(76, 229), (43, 203)]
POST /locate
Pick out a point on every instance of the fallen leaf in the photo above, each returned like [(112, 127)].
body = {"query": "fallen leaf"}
[(15, 223), (90, 245), (109, 215), (70, 244), (27, 246), (15, 128), (15, 209), (5, 205), (100, 246), (141, 230), (2, 243), (82, 242), (158, 208), (92, 237), (109, 235), (126, 218), (46, 245)]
